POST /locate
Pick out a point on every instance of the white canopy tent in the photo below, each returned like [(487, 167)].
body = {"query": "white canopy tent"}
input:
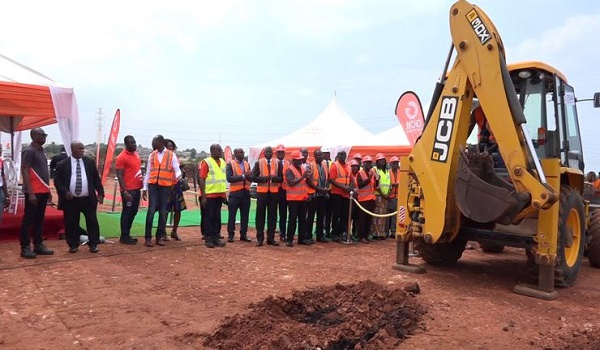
[(333, 128), (29, 99)]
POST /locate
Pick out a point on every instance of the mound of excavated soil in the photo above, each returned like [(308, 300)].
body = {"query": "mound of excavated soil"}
[(365, 315)]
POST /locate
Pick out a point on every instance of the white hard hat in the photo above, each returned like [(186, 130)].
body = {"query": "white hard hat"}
[(325, 149)]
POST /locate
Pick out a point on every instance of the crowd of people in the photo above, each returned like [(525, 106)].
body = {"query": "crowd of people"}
[(294, 195)]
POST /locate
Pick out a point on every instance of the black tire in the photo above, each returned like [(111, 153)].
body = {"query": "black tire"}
[(441, 254), (593, 247), (491, 247), (571, 237)]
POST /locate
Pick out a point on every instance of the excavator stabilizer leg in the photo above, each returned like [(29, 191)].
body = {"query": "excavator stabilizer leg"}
[(545, 288), (402, 263)]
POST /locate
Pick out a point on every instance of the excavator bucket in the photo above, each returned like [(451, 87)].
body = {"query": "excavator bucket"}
[(480, 194)]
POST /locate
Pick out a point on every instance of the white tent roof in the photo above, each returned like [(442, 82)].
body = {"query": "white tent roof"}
[(333, 126), (392, 137)]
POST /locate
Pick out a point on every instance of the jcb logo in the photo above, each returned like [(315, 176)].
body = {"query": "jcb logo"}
[(478, 27), (443, 134)]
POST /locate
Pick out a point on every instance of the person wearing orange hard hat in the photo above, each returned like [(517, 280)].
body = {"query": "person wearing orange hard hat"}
[(378, 228), (281, 200), (358, 158), (340, 196), (297, 197), (318, 194), (268, 176), (393, 201), (329, 204), (367, 183)]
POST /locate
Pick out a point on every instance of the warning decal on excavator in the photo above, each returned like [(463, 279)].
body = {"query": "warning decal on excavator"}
[(443, 134), (478, 27)]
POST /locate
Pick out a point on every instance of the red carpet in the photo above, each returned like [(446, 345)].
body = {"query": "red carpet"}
[(10, 229)]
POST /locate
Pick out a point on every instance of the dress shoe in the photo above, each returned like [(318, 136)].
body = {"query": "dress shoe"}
[(272, 242), (42, 250), (73, 249), (311, 241), (305, 242), (282, 238), (27, 253), (245, 239), (370, 239), (160, 242), (364, 240), (322, 240), (259, 243), (230, 240), (93, 249), (129, 241), (289, 244), (164, 238), (219, 243), (148, 243), (336, 239), (175, 236), (209, 243)]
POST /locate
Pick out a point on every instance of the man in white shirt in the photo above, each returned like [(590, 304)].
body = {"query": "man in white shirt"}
[(79, 191), (161, 169)]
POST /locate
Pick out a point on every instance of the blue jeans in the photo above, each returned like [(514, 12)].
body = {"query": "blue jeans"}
[(157, 201), (130, 209)]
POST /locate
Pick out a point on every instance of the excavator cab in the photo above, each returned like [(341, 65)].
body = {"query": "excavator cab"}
[(524, 189)]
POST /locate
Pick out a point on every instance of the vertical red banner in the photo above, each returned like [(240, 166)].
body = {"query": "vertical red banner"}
[(112, 144), (228, 155), (410, 115)]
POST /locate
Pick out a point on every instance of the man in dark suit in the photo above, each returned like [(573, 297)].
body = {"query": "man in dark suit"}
[(79, 191)]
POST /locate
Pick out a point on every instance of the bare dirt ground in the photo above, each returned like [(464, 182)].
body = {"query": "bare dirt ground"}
[(186, 296)]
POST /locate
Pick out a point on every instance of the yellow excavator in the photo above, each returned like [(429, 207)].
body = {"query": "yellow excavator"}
[(520, 187)]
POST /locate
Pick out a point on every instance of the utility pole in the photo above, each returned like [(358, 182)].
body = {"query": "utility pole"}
[(100, 116)]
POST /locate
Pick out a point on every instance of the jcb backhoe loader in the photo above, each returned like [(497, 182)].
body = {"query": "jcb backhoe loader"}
[(524, 190)]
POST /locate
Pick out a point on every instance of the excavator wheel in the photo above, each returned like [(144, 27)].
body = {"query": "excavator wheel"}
[(491, 247), (571, 237), (593, 247), (441, 254)]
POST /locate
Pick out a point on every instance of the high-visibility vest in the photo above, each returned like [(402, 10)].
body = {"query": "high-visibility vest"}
[(367, 192), (342, 178), (237, 171), (298, 192), (354, 184), (286, 165), (384, 181), (315, 175), (216, 179), (162, 172), (269, 186), (482, 123), (393, 181)]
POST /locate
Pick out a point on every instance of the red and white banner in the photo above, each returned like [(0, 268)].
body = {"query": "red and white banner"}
[(410, 115), (227, 154), (112, 144)]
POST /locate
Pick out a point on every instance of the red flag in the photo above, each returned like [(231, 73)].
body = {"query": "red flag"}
[(228, 154), (410, 115), (112, 144)]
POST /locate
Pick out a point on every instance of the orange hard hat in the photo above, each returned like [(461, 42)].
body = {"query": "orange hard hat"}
[(353, 162), (280, 147), (394, 159), (367, 159), (357, 156), (379, 156), (296, 155)]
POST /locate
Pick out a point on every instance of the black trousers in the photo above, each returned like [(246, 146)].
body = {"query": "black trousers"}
[(297, 213), (339, 218), (157, 201), (318, 206), (266, 206), (365, 219), (282, 207), (130, 209), (72, 210), (34, 216), (212, 221), (238, 200), (328, 214), (202, 221)]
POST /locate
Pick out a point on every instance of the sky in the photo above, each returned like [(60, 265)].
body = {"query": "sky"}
[(242, 72)]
